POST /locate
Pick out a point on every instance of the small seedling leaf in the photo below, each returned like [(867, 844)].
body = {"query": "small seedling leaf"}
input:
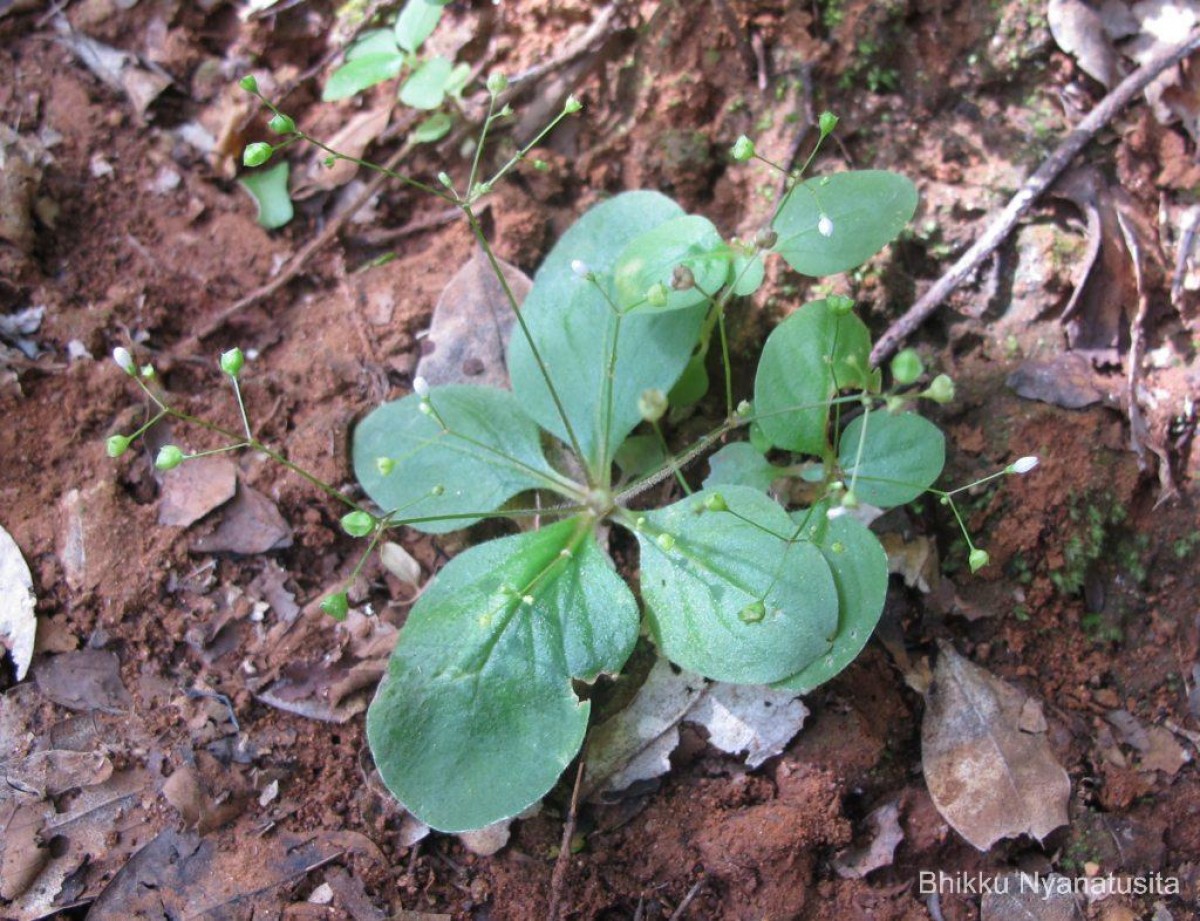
[(860, 211), (860, 572), (425, 87), (901, 457), (651, 258), (269, 189), (807, 359), (490, 453), (575, 329), (748, 273), (362, 73), (739, 464), (729, 595), (434, 128), (416, 23), (477, 718)]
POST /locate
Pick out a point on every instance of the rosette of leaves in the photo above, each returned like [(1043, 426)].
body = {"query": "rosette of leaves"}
[(478, 714)]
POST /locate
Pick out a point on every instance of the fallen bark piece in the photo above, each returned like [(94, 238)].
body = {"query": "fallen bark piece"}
[(251, 524)]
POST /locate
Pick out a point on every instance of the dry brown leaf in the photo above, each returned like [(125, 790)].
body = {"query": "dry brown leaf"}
[(471, 325), (89, 679), (117, 69), (886, 835), (355, 136), (195, 489), (1067, 380), (250, 524), (988, 778), (1080, 30)]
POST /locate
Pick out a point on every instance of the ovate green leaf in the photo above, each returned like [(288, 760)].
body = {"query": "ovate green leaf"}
[(729, 594), (425, 87), (491, 452), (434, 128), (269, 189), (901, 456), (476, 718), (807, 359), (576, 332), (362, 73), (690, 241), (740, 464), (860, 572), (416, 23), (864, 210)]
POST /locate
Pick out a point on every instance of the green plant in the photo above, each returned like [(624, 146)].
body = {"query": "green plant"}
[(479, 713)]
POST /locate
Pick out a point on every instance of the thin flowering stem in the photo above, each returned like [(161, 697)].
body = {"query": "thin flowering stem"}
[(237, 392)]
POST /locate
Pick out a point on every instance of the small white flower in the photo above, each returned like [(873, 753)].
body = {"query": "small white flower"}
[(421, 387), (837, 512), (1022, 465), (580, 268), (123, 359), (825, 226)]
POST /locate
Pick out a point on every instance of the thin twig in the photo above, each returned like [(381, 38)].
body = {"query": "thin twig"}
[(688, 899), (1041, 180), (562, 863)]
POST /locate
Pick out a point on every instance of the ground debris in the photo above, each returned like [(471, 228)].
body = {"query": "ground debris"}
[(251, 524), (195, 489), (18, 622)]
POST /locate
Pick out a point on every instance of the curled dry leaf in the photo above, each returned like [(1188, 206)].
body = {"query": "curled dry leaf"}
[(116, 69), (471, 325), (886, 835), (988, 778), (1086, 33), (352, 140), (18, 623)]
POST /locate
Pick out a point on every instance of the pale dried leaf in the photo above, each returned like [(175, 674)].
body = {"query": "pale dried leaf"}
[(1079, 31), (400, 563), (18, 623), (886, 835), (358, 133), (488, 840), (987, 778), (89, 679), (195, 489), (117, 69), (1066, 379), (1025, 897), (916, 560), (753, 719), (54, 772), (471, 326)]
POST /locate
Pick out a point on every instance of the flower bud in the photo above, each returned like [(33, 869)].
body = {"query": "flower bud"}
[(124, 360), (940, 389), (385, 465), (744, 408), (825, 226), (336, 606), (541, 165), (766, 238), (358, 523), (437, 490), (839, 304), (444, 178), (978, 559), (232, 361), (148, 372), (572, 105), (826, 123), (716, 503), (656, 296), (282, 124), (248, 83), (497, 83), (682, 278), (665, 542), (421, 387), (742, 149), (257, 154), (849, 500), (652, 404), (169, 457), (581, 270), (907, 367), (753, 612), (1022, 465), (116, 445)]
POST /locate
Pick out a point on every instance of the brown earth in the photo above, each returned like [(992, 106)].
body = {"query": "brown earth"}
[(139, 239)]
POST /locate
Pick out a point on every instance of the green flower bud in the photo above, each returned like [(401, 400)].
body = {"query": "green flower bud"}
[(257, 154), (716, 503), (940, 389), (572, 105), (282, 124), (665, 542), (541, 166), (437, 490), (336, 606), (232, 361), (444, 178), (907, 367), (766, 238), (978, 559), (742, 149), (148, 372), (895, 404), (248, 83), (329, 161), (744, 408), (124, 360), (826, 123), (652, 404), (840, 304), (358, 523), (116, 445), (385, 465), (753, 612), (506, 112), (169, 457), (657, 295), (497, 83), (849, 500)]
